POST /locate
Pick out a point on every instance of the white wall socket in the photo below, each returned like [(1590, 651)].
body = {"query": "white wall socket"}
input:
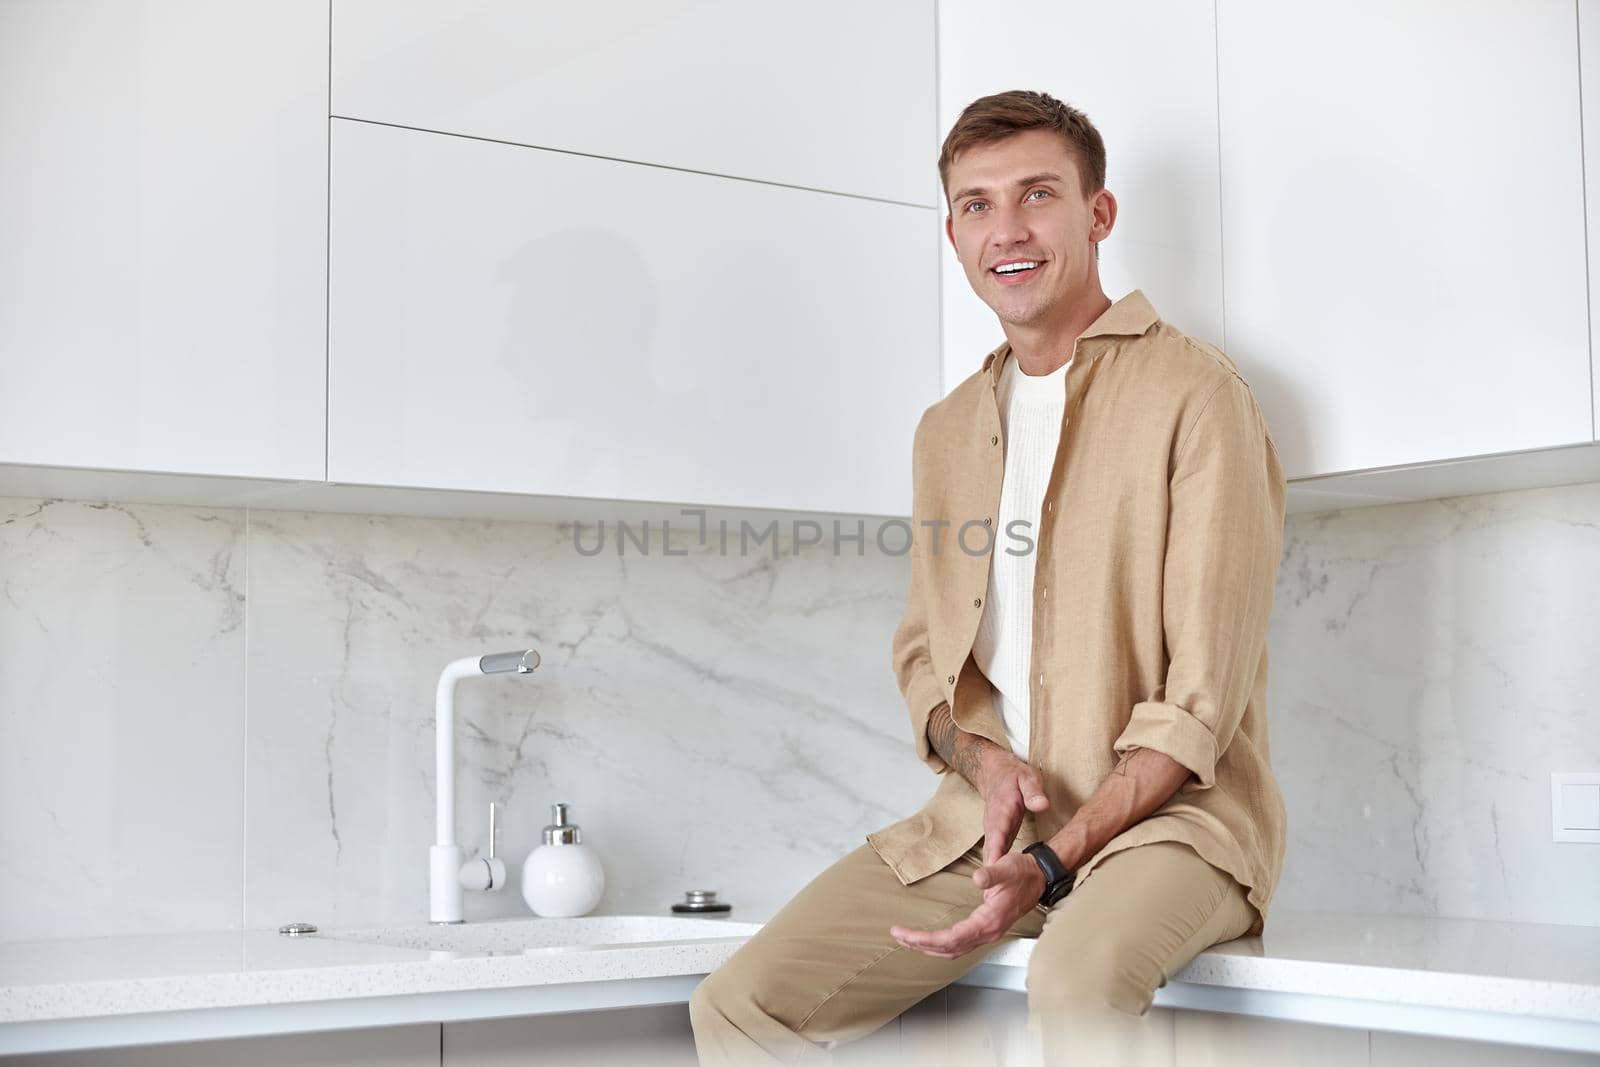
[(1575, 806)]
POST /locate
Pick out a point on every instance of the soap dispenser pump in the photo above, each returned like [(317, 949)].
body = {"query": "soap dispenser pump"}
[(562, 877)]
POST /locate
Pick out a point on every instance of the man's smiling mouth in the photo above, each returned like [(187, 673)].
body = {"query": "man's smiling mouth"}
[(1015, 270)]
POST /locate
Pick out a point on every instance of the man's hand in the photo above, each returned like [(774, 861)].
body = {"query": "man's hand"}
[(1010, 787), (1010, 887), (1007, 784)]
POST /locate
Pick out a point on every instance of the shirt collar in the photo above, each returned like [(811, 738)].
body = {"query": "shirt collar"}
[(1129, 317)]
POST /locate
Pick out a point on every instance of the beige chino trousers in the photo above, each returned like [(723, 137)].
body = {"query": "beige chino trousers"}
[(824, 971)]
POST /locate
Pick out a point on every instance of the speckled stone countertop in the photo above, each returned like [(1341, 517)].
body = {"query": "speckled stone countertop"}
[(1470, 964), (97, 976), (1509, 969)]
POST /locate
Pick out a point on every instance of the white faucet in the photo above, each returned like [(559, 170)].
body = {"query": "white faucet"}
[(447, 876)]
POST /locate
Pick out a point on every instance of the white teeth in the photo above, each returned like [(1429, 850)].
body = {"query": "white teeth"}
[(1012, 268)]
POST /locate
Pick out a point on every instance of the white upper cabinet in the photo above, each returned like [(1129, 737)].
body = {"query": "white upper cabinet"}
[(517, 320), (1403, 227), (833, 95), (1589, 50), (163, 236), (1145, 75)]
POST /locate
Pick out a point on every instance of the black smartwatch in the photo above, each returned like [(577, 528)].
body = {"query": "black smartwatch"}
[(1057, 879)]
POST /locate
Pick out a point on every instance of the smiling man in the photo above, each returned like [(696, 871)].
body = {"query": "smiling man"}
[(1098, 511)]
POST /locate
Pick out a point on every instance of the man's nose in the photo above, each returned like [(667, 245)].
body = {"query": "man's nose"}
[(1009, 228)]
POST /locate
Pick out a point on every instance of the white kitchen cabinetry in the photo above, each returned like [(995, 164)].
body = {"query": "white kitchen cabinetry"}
[(517, 320), (968, 1024), (1589, 75), (656, 1034), (829, 95), (413, 1045), (960, 1024), (163, 236), (1402, 221)]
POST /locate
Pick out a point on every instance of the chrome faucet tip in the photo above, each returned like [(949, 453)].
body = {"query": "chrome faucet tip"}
[(522, 661)]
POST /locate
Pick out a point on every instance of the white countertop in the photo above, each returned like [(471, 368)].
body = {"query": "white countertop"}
[(1519, 982)]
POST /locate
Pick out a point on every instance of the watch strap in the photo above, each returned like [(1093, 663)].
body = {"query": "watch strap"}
[(1058, 880)]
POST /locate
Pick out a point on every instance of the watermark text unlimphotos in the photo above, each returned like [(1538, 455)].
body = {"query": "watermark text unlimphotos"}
[(892, 537)]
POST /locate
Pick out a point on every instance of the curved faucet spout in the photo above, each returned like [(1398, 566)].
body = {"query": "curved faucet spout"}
[(444, 858)]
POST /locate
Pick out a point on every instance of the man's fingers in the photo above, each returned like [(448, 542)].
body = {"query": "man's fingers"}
[(1032, 787), (957, 939), (996, 837)]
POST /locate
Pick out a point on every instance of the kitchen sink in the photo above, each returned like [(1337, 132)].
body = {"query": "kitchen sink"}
[(522, 936)]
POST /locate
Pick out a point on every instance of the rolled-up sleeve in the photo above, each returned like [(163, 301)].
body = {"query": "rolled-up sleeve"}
[(1224, 539), (913, 662), (914, 670)]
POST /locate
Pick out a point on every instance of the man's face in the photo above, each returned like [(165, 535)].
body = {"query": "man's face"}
[(1019, 199)]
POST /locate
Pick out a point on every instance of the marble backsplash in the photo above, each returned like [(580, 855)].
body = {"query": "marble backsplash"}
[(215, 717)]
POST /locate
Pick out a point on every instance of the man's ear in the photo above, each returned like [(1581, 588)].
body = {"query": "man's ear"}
[(949, 230)]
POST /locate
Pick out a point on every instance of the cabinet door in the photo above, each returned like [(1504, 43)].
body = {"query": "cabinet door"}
[(163, 236), (654, 1034), (830, 94), (518, 320), (406, 1045), (1135, 69), (1589, 75), (1402, 214)]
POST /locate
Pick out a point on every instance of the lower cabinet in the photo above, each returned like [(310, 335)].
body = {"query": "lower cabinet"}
[(1205, 1038), (658, 1035), (975, 1026), (380, 1046), (964, 1025)]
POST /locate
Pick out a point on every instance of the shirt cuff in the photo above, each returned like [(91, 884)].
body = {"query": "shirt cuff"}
[(923, 694), (1174, 732)]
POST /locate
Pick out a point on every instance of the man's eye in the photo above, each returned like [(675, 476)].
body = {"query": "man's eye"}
[(972, 204), (1046, 192)]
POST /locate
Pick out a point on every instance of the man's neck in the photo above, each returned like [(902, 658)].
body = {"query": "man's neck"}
[(1043, 348)]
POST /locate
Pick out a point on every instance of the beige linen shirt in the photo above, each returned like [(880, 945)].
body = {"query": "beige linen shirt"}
[(1158, 548)]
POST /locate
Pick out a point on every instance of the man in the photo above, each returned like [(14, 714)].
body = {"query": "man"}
[(1090, 688)]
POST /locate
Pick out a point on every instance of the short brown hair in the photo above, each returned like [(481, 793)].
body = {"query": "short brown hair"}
[(994, 118)]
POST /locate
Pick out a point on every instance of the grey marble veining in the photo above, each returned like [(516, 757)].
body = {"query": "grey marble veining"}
[(220, 718), (714, 721), (257, 688), (1430, 665), (122, 718)]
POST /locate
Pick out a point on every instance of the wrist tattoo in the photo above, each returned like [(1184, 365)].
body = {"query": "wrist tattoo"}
[(960, 749)]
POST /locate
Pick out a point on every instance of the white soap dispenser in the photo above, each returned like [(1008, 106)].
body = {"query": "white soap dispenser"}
[(562, 877)]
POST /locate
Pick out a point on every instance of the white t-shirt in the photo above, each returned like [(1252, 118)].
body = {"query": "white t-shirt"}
[(1030, 416)]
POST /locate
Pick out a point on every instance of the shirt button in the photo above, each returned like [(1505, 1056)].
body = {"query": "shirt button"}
[(1044, 592), (977, 602), (1047, 505), (994, 440), (986, 520), (1041, 681)]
